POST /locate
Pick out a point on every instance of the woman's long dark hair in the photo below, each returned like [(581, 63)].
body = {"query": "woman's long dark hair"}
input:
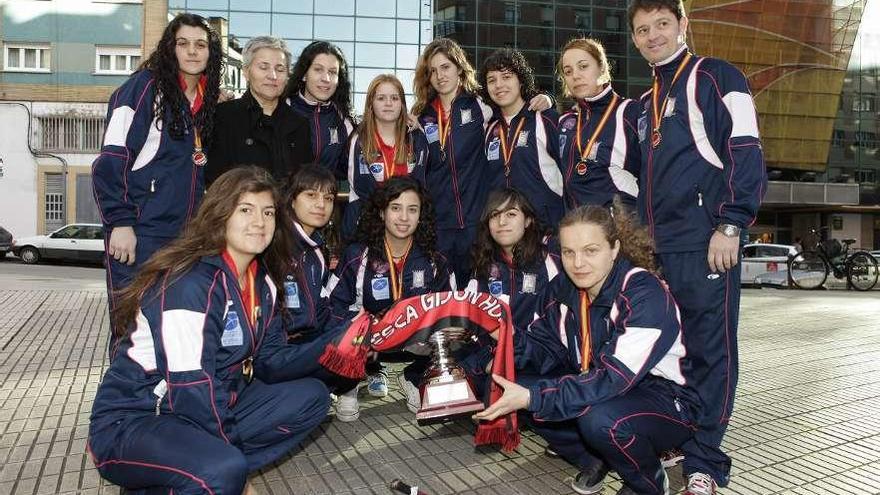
[(342, 97), (508, 59), (371, 228), (527, 252), (205, 235), (171, 101)]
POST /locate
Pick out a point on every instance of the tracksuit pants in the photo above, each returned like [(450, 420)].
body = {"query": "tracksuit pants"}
[(160, 454), (709, 306), (627, 433)]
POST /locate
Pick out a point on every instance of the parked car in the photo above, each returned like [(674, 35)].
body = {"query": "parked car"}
[(766, 264), (5, 242), (75, 242)]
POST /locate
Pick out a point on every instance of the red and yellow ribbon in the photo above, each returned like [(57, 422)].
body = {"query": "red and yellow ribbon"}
[(585, 331)]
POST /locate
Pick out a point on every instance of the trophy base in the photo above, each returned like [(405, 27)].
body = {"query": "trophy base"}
[(445, 400)]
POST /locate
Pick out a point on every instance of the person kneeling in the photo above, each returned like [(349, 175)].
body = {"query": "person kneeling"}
[(205, 388), (608, 348)]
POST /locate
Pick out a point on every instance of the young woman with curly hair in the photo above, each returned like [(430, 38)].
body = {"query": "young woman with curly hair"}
[(607, 345), (320, 90), (521, 144), (599, 137), (205, 389), (382, 147), (395, 257), (149, 178), (454, 117), (511, 261)]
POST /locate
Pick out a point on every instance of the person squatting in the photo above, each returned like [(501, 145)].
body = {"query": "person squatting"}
[(611, 229)]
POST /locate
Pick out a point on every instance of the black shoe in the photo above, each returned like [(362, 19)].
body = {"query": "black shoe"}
[(591, 479), (551, 453)]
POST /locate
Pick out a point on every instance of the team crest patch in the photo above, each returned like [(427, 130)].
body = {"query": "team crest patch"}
[(232, 334), (562, 140), (670, 108), (530, 282), (380, 288), (334, 135), (496, 288), (569, 123), (418, 279), (466, 117), (643, 127), (362, 165), (431, 132), (493, 152), (594, 151), (291, 294), (523, 139), (378, 171)]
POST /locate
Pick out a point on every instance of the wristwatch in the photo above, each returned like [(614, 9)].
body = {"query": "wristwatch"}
[(728, 230)]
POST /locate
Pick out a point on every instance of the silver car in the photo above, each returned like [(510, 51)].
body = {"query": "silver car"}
[(766, 264)]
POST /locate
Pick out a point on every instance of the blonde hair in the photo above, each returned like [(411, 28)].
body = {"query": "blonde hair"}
[(595, 49), (367, 129), (422, 88)]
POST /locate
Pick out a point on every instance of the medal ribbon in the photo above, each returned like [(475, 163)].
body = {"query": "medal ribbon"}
[(504, 146), (444, 123), (389, 163), (585, 331), (657, 116), (396, 278), (585, 152)]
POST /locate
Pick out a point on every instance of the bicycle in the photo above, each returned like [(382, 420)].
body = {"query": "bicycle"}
[(810, 268)]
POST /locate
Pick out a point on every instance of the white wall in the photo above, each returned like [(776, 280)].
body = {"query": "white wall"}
[(852, 229), (18, 186)]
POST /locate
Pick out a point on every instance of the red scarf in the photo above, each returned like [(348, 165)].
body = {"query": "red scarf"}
[(419, 316), (200, 92)]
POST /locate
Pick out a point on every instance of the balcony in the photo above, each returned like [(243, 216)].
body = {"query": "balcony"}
[(811, 193)]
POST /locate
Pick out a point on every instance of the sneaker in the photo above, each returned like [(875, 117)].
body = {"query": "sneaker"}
[(347, 407), (590, 480), (377, 384), (671, 458), (626, 490), (413, 400), (700, 484)]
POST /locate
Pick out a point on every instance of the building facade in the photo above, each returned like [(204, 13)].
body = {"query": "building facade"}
[(61, 59), (376, 36)]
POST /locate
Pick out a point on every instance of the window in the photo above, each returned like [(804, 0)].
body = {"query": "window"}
[(866, 176), (73, 134), (116, 60), (26, 58), (838, 137), (866, 139), (863, 104)]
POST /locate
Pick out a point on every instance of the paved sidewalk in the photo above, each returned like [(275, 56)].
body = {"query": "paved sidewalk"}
[(807, 416)]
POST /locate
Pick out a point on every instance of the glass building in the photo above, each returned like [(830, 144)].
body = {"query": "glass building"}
[(539, 29), (376, 36)]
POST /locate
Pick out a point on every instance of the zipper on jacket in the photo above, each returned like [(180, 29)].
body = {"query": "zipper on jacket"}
[(159, 390), (153, 185), (699, 198)]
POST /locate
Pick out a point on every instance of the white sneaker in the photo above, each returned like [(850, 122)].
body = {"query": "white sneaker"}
[(377, 384), (411, 392), (700, 484), (347, 407)]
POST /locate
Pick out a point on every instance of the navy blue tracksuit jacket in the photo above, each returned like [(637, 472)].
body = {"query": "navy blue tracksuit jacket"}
[(175, 399), (306, 308), (534, 161), (612, 165), (330, 131)]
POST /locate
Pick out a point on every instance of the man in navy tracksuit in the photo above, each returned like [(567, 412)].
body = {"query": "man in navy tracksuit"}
[(701, 183), (149, 178)]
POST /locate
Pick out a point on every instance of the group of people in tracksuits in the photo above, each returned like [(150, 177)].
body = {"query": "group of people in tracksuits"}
[(612, 231)]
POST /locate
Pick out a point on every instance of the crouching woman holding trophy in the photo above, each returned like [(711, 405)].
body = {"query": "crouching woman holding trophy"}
[(608, 350)]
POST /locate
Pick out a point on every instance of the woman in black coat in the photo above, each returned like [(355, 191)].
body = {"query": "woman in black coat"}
[(260, 128)]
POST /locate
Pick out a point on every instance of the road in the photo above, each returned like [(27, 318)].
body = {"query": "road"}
[(15, 275)]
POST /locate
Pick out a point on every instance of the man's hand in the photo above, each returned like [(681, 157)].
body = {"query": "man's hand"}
[(723, 252), (515, 397), (540, 103), (122, 244)]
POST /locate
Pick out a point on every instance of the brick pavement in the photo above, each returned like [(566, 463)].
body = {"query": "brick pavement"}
[(807, 417)]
